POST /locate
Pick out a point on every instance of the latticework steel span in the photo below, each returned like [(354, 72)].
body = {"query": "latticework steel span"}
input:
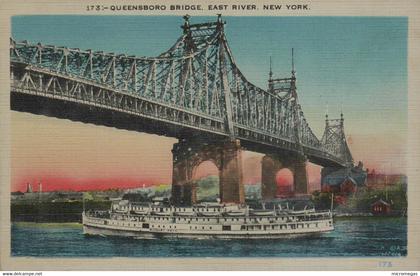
[(194, 88)]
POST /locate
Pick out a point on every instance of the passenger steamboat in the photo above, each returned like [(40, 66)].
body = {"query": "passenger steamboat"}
[(204, 221)]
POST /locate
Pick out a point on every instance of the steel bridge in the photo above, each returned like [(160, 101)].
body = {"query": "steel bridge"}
[(194, 92)]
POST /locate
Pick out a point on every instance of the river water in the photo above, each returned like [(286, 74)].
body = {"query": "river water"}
[(352, 237)]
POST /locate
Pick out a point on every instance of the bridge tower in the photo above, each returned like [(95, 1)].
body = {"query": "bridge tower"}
[(294, 160), (188, 154), (334, 140), (225, 153)]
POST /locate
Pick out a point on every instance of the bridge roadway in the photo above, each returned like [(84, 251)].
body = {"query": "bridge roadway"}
[(154, 118)]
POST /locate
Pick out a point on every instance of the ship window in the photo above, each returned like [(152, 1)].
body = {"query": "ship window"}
[(202, 227), (210, 227), (226, 228), (272, 227), (145, 225), (242, 227)]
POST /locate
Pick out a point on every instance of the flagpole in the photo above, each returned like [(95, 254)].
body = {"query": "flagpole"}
[(83, 200), (332, 201)]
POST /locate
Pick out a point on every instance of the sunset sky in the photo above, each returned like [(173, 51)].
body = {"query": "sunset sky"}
[(354, 64)]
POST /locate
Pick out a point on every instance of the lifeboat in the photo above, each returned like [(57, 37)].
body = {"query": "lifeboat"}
[(185, 213), (235, 213), (121, 211), (301, 212), (210, 213), (262, 212)]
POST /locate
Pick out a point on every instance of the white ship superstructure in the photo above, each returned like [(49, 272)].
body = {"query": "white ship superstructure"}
[(206, 220)]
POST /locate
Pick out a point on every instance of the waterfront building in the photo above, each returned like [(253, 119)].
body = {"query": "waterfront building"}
[(380, 207), (345, 180)]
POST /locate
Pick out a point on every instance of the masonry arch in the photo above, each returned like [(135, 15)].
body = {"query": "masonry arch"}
[(187, 157), (284, 181), (273, 164), (206, 181)]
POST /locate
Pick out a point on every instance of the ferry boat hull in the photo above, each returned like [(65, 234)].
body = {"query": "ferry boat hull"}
[(152, 227), (98, 231)]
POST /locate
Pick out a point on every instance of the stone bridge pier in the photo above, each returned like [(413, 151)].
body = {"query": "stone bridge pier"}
[(225, 154), (272, 164)]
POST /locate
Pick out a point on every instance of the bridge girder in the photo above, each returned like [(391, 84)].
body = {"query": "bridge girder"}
[(194, 86)]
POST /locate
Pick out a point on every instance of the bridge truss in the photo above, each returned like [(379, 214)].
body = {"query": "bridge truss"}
[(195, 84)]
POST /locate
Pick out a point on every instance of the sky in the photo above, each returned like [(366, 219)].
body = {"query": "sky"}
[(357, 65)]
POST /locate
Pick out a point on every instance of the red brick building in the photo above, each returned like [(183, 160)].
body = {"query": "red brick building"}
[(348, 186), (380, 207)]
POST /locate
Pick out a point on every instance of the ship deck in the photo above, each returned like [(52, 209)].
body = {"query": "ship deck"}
[(223, 226)]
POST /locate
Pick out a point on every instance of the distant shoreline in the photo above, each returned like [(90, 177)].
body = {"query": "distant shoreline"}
[(54, 211)]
